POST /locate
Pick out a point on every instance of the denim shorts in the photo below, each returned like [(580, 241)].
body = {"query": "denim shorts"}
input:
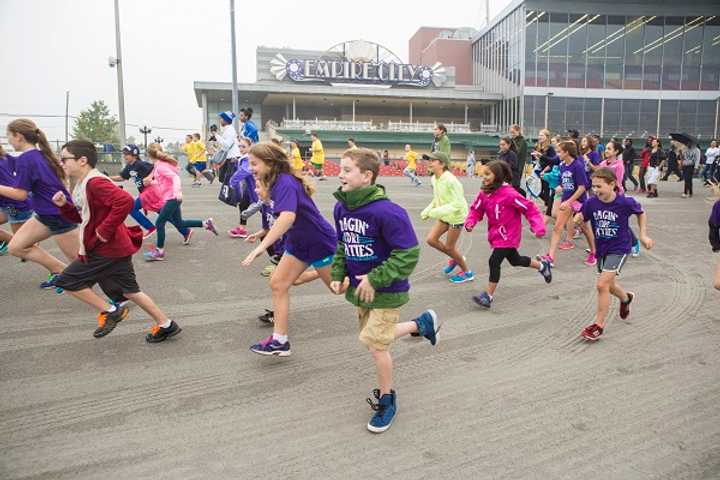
[(55, 223), (15, 215), (320, 263)]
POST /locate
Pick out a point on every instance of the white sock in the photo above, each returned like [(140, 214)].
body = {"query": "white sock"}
[(280, 338), (112, 308), (166, 324)]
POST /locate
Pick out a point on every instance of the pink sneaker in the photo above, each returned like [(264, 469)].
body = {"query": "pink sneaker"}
[(154, 255), (546, 258), (590, 260), (149, 233), (566, 245), (238, 232)]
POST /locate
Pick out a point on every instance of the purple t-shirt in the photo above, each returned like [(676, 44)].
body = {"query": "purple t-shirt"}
[(611, 223), (715, 214), (311, 237), (36, 176), (571, 177), (268, 219), (369, 234), (8, 179)]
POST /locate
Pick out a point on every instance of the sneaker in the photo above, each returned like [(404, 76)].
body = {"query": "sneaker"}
[(546, 271), (186, 238), (196, 184), (636, 249), (50, 282), (3, 248), (158, 334), (463, 277), (684, 195), (270, 346), (590, 260), (625, 306), (566, 245), (592, 332), (154, 255), (267, 317), (149, 233), (268, 270), (107, 321), (385, 410), (322, 179), (484, 299), (238, 232), (428, 325), (546, 258), (209, 225), (451, 265), (577, 233)]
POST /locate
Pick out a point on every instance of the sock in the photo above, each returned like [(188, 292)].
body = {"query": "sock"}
[(280, 338), (112, 308), (166, 324)]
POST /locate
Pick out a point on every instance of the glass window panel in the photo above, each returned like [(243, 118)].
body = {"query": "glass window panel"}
[(629, 118), (574, 114), (706, 119), (633, 72), (531, 31), (671, 44), (577, 42), (710, 77), (543, 24), (652, 69), (668, 117), (648, 117), (692, 53), (611, 124), (556, 50), (556, 114), (596, 53), (591, 116), (687, 116), (614, 52)]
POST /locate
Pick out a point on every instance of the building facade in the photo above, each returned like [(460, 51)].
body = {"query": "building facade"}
[(612, 68)]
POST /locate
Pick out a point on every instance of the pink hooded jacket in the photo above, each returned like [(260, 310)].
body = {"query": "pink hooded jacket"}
[(165, 186), (504, 208)]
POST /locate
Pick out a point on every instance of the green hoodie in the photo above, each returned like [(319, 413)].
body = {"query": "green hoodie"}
[(390, 256)]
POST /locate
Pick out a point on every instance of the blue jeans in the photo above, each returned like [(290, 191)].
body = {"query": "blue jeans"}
[(139, 217), (410, 173), (172, 213)]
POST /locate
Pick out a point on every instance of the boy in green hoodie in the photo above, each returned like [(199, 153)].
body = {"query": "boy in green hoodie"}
[(377, 250)]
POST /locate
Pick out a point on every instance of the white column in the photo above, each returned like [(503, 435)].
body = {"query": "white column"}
[(411, 113), (294, 109), (203, 101), (466, 113), (353, 110), (602, 117), (657, 125), (717, 114)]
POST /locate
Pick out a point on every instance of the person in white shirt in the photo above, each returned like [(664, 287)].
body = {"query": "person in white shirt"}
[(228, 141), (711, 172)]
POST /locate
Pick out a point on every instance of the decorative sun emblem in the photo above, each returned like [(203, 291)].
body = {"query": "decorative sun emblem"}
[(294, 69), (424, 76)]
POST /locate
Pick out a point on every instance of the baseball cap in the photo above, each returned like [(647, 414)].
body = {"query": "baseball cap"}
[(133, 150), (228, 116), (438, 156)]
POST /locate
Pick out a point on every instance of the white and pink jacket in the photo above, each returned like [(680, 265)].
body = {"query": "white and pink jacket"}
[(504, 208), (165, 186)]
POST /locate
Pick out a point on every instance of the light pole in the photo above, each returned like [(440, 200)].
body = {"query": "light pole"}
[(234, 65), (146, 130), (547, 107), (117, 62)]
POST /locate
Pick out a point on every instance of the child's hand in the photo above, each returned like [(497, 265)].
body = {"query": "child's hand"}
[(469, 226), (558, 189), (364, 290), (564, 206), (251, 256), (578, 218), (147, 181), (647, 242), (252, 238), (59, 199)]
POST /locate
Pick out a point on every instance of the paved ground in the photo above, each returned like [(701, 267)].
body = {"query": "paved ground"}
[(507, 393)]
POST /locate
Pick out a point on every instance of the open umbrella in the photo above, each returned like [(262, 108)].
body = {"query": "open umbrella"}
[(684, 138)]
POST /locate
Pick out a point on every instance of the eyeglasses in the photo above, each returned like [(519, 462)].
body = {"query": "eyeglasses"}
[(65, 159)]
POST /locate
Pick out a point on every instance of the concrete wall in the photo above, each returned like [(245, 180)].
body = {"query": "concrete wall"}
[(451, 52)]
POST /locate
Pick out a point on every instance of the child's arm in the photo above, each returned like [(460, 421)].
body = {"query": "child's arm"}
[(259, 235), (532, 213), (714, 225), (119, 201), (283, 223), (338, 272), (646, 241), (67, 209), (475, 213), (578, 192), (452, 200), (579, 218), (13, 193)]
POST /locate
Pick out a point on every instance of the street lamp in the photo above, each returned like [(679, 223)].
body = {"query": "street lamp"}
[(117, 62), (146, 130), (159, 139), (547, 107)]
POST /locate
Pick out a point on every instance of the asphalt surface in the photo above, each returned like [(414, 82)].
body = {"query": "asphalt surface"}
[(507, 393)]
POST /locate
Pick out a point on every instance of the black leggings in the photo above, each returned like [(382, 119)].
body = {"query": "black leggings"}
[(500, 254), (547, 195), (688, 172), (629, 175)]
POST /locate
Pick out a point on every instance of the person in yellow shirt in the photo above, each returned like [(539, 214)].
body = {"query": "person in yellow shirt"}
[(318, 156), (190, 149), (201, 159), (295, 156), (352, 144), (411, 159)]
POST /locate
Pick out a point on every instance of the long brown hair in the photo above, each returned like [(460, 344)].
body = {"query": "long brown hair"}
[(502, 173), (568, 146), (590, 142), (156, 152), (32, 134), (276, 158)]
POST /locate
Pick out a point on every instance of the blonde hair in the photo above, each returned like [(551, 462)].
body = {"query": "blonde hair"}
[(277, 160), (156, 152), (32, 134), (543, 147)]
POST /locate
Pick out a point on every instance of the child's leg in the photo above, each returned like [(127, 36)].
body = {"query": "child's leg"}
[(604, 283), (437, 231), (287, 271), (87, 295), (307, 276), (494, 262), (562, 219), (23, 245), (150, 307), (139, 217), (163, 217), (69, 243), (618, 291), (181, 224), (717, 276), (448, 248), (450, 242), (589, 236)]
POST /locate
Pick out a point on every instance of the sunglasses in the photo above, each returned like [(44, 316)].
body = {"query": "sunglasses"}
[(65, 159)]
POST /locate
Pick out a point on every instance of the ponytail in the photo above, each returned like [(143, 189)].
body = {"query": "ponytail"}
[(156, 152), (33, 135)]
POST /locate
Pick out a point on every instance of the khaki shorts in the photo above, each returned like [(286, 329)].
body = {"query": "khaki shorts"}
[(377, 326)]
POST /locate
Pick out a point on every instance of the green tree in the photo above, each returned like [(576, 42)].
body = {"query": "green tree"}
[(97, 125)]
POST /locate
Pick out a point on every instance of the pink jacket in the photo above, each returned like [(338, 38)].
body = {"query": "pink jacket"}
[(165, 186), (504, 208)]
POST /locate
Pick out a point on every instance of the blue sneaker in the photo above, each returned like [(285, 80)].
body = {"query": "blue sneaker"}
[(636, 249), (428, 325), (484, 299), (385, 410), (50, 282), (3, 248), (463, 277), (546, 271), (451, 265), (270, 346)]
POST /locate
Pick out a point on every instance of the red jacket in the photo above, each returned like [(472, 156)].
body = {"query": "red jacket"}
[(645, 157), (109, 206)]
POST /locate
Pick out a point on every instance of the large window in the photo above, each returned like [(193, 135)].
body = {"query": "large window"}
[(614, 51), (574, 114), (672, 53), (556, 50), (596, 53), (692, 52), (591, 116), (611, 124), (706, 119), (543, 25), (668, 117), (633, 75), (710, 78), (531, 32), (687, 116), (577, 42), (653, 54), (629, 118), (648, 117)]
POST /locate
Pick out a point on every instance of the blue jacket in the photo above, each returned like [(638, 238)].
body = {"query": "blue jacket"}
[(250, 131)]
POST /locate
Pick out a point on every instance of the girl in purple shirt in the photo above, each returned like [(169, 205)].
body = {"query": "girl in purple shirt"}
[(40, 173), (13, 211), (310, 239)]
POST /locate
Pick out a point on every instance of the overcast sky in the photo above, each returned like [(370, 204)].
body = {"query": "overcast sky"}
[(50, 46)]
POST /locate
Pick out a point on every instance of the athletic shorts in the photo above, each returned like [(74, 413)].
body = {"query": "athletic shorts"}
[(457, 226), (15, 215), (320, 263), (200, 166), (377, 326), (56, 224), (652, 175), (611, 262), (317, 166), (112, 274)]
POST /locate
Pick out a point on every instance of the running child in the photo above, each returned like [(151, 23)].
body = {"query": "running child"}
[(504, 208), (411, 166), (609, 214), (318, 156), (296, 157), (15, 212), (310, 239), (377, 250), (449, 209), (38, 176), (106, 244), (573, 184), (136, 170), (190, 151), (168, 194), (201, 159), (243, 183)]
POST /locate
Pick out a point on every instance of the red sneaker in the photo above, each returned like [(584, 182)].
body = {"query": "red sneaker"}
[(567, 245), (592, 332), (625, 306), (238, 232)]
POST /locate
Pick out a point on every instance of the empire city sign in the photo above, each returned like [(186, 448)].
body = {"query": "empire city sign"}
[(349, 71)]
